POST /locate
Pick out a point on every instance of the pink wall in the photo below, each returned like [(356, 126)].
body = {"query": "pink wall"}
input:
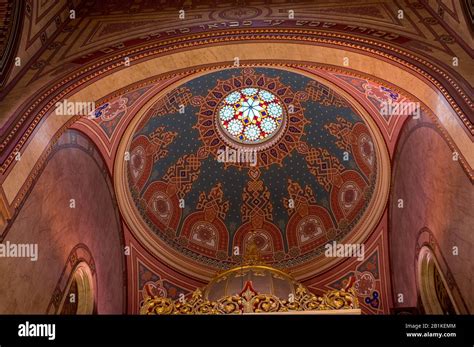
[(439, 196), (74, 171)]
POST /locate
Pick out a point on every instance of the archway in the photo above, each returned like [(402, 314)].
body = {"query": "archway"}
[(433, 289)]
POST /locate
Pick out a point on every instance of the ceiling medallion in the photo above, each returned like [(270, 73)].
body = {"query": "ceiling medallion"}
[(252, 112)]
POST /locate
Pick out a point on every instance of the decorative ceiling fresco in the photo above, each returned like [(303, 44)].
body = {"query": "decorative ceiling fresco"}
[(287, 149), (138, 120), (250, 155)]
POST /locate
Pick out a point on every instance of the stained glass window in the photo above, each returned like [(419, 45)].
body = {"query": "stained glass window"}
[(251, 115)]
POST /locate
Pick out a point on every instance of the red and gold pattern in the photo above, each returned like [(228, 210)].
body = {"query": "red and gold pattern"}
[(257, 227), (349, 196), (183, 174), (355, 138), (204, 231), (310, 225), (162, 198), (161, 204), (144, 152), (325, 167), (348, 190)]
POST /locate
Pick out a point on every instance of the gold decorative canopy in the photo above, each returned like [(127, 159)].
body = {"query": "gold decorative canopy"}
[(253, 288)]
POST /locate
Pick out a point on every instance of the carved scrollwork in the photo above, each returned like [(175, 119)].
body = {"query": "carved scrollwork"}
[(251, 302)]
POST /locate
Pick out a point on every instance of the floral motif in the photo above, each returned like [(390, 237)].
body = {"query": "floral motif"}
[(249, 91), (235, 127), (266, 96), (226, 113), (275, 110), (252, 132), (268, 125), (232, 98)]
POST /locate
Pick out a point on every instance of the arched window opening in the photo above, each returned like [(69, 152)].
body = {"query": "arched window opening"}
[(79, 298), (435, 294)]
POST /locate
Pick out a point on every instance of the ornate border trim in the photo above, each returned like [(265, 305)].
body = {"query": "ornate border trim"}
[(147, 51)]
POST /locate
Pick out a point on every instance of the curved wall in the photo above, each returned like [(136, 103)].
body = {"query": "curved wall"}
[(74, 171), (438, 198)]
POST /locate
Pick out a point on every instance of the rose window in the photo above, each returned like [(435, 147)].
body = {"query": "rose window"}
[(250, 115)]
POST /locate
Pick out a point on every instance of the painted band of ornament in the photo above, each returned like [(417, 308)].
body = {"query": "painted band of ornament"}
[(251, 302), (37, 168), (294, 35)]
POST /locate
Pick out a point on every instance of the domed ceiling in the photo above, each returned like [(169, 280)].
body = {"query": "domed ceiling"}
[(243, 156)]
